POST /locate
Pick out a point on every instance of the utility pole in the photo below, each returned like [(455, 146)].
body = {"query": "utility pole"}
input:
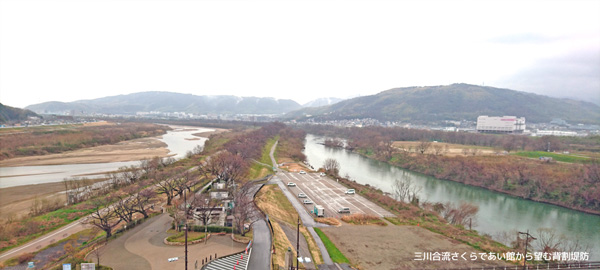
[(526, 243), (298, 243), (185, 206)]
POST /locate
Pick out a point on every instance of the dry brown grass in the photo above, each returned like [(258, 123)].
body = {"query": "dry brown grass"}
[(329, 221), (312, 246), (273, 202), (363, 219), (281, 244), (453, 149)]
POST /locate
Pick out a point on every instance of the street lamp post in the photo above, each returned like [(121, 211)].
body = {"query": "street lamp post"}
[(298, 243), (186, 228), (526, 243)]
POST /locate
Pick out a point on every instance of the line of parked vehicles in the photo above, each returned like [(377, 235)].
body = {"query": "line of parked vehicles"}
[(318, 210)]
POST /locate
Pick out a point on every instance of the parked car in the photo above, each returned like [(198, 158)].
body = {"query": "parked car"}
[(302, 172), (307, 201), (301, 195), (351, 191), (344, 210), (291, 184), (322, 174)]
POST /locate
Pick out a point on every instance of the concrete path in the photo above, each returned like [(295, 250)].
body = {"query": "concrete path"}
[(143, 248), (261, 246), (261, 239), (271, 154)]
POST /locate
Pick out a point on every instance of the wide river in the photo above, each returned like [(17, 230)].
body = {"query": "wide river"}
[(497, 212), (177, 140)]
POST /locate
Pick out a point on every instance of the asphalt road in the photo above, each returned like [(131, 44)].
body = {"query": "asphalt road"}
[(329, 194), (261, 246), (306, 218), (45, 240)]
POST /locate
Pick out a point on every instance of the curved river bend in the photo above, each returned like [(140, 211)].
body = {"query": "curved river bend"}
[(497, 212), (179, 141)]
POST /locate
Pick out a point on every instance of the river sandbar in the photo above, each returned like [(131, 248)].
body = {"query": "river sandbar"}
[(132, 150)]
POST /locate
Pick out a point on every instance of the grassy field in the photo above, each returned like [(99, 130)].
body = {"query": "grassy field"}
[(257, 170), (555, 156), (335, 254), (266, 158), (33, 227), (446, 149)]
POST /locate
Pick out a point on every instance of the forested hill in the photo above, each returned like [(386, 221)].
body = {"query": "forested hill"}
[(171, 102), (454, 102), (10, 114)]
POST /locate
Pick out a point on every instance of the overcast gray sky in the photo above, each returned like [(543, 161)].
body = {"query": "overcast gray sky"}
[(301, 50)]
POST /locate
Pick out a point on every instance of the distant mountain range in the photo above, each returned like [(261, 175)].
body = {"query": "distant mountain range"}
[(322, 102), (11, 114), (453, 102), (170, 102)]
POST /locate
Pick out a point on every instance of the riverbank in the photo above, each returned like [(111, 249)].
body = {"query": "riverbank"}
[(132, 150), (16, 201), (428, 166), (207, 134)]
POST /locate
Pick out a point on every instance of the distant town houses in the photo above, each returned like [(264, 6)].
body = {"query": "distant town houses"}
[(483, 123)]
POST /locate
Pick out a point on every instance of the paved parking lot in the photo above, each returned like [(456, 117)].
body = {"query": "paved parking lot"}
[(328, 193)]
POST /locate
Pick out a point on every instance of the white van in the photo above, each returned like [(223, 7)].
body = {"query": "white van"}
[(344, 210)]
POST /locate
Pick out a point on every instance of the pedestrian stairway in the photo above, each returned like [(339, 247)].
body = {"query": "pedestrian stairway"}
[(238, 261)]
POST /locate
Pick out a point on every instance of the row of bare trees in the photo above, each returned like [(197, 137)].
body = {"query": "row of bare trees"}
[(131, 200), (362, 138)]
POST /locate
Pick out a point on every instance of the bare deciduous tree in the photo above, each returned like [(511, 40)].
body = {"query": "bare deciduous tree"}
[(204, 206), (103, 217), (459, 215), (244, 211), (225, 166), (141, 201), (331, 166), (423, 146), (509, 144), (165, 185), (438, 149), (406, 190)]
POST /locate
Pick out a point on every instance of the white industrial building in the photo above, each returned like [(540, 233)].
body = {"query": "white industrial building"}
[(500, 124)]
